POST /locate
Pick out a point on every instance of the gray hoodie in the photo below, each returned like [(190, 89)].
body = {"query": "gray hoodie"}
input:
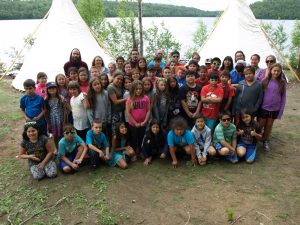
[(202, 140)]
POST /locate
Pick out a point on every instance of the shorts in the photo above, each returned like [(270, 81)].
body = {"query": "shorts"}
[(71, 156), (250, 150), (265, 114), (232, 158)]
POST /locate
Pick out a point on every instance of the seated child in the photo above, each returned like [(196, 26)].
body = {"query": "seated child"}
[(37, 148), (154, 142), (99, 148), (249, 131), (71, 150), (202, 136), (180, 137), (225, 138)]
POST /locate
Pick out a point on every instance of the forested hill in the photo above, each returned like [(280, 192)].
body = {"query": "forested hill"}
[(266, 9)]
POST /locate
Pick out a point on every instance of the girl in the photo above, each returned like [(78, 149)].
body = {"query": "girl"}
[(127, 86), (142, 67), (99, 104), (174, 105), (120, 142), (274, 87), (148, 89), (72, 74), (111, 70), (136, 74), (83, 79), (270, 60), (61, 83), (56, 111), (227, 64), (94, 71), (161, 103), (41, 82), (79, 104), (37, 149), (104, 80), (127, 70), (138, 112), (154, 142), (196, 57), (99, 63), (249, 132)]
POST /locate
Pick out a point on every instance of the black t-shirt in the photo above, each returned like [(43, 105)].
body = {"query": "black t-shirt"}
[(191, 96)]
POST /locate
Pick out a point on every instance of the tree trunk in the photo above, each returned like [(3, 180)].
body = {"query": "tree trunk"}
[(134, 44), (298, 64), (140, 27)]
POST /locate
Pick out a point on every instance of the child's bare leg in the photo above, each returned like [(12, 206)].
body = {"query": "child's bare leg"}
[(211, 151), (268, 128), (67, 169), (122, 164), (53, 143), (224, 151), (79, 152), (130, 153), (190, 150), (147, 161), (241, 151)]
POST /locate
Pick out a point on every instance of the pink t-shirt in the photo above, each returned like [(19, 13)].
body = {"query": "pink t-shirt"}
[(41, 90), (139, 110)]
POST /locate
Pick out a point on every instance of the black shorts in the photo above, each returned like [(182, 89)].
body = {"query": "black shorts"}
[(265, 114)]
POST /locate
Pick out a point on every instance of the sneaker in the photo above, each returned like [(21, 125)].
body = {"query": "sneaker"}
[(266, 146)]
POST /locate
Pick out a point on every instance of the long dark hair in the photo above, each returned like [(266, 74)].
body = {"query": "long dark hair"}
[(149, 133), (252, 124), (32, 124), (47, 99), (280, 79), (91, 95), (120, 136), (229, 58), (175, 90)]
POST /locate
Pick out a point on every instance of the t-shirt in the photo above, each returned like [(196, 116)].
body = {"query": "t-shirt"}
[(223, 133), (33, 107), (186, 139), (65, 147), (38, 148), (246, 137), (228, 92), (234, 78), (98, 141), (191, 95), (211, 110), (80, 117), (139, 110), (112, 89), (41, 90)]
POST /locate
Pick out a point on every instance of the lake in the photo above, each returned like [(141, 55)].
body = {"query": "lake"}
[(13, 32)]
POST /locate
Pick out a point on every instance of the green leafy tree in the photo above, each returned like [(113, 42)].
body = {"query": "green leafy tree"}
[(92, 11), (295, 47)]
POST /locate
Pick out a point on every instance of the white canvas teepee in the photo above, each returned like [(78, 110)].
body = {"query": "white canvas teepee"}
[(237, 29), (63, 30)]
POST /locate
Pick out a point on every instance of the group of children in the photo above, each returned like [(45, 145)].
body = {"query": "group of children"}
[(191, 110)]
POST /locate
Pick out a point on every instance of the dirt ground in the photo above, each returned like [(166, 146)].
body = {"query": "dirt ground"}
[(264, 193)]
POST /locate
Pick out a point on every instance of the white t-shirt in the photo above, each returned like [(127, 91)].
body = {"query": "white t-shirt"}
[(79, 113)]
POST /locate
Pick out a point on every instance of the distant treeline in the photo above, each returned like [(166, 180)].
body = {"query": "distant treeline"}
[(36, 9)]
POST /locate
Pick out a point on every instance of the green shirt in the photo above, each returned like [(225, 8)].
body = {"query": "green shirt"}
[(223, 133)]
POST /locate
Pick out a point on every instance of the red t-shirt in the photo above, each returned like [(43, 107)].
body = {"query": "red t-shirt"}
[(211, 110), (228, 92), (200, 83)]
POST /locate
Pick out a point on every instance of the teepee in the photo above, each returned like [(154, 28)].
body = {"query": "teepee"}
[(236, 29), (63, 30)]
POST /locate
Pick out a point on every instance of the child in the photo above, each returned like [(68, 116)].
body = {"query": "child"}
[(148, 90), (41, 82), (138, 112), (154, 142), (142, 67), (166, 73), (99, 148), (127, 86), (120, 142), (72, 74), (225, 138), (94, 71), (56, 111), (193, 66), (180, 76), (79, 104), (202, 137), (190, 98), (174, 106), (274, 87), (249, 131), (161, 103), (173, 66), (151, 74), (83, 79), (71, 150), (36, 147), (127, 70), (211, 96), (61, 83), (228, 91), (203, 78), (33, 106), (215, 65), (135, 74), (99, 104), (104, 80), (180, 137)]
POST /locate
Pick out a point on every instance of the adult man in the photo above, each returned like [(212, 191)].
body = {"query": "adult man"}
[(134, 58), (254, 60), (75, 61), (158, 58)]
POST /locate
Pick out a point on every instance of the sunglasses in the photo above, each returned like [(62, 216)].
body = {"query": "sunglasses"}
[(30, 123), (269, 61), (226, 119), (70, 132), (217, 64)]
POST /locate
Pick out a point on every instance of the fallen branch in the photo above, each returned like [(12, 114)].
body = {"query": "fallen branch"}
[(233, 222), (220, 178), (44, 210), (263, 215), (187, 222)]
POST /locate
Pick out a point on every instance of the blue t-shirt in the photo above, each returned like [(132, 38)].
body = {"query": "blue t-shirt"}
[(186, 139), (33, 107), (235, 79), (98, 141), (65, 147)]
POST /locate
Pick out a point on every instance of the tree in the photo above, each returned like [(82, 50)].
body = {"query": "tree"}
[(92, 11), (295, 47), (140, 27)]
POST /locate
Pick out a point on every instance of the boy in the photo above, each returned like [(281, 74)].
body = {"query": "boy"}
[(193, 66), (203, 79), (228, 91), (202, 137), (72, 74), (189, 95), (94, 71), (180, 76), (211, 96), (32, 106), (166, 73), (215, 65), (225, 141), (71, 150), (151, 73)]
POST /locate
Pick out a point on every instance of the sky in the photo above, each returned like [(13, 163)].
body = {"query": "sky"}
[(210, 5)]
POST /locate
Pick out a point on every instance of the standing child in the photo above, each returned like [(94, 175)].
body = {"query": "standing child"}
[(79, 104), (274, 87), (99, 148), (41, 82), (203, 78), (148, 91), (249, 131), (94, 71), (174, 106), (83, 79), (138, 112), (136, 74), (71, 150), (225, 138), (151, 74), (33, 106), (38, 150), (228, 91), (180, 137), (61, 83), (154, 142), (180, 75), (72, 74), (193, 66), (127, 86), (104, 80), (166, 72), (202, 136)]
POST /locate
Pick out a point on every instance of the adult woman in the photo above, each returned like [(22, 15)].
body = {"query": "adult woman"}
[(270, 60), (99, 63), (227, 64)]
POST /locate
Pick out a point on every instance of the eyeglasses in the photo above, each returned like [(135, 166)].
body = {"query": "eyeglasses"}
[(70, 132), (175, 56), (30, 123), (226, 119), (269, 61), (216, 64)]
